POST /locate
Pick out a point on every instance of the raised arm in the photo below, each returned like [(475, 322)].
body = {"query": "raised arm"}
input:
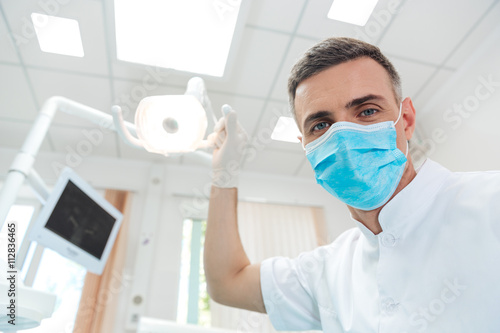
[(231, 279)]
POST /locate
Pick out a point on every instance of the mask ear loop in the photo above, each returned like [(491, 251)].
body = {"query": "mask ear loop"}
[(399, 116)]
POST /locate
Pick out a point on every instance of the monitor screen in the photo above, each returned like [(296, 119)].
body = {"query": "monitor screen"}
[(81, 221), (77, 222)]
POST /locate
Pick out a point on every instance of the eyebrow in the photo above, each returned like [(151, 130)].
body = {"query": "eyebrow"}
[(353, 103), (358, 101), (314, 116)]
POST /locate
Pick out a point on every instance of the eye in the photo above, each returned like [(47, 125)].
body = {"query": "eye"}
[(320, 126), (368, 112)]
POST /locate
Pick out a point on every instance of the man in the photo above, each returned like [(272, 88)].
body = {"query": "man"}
[(425, 255)]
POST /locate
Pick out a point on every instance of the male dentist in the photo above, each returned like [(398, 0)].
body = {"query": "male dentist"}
[(425, 253)]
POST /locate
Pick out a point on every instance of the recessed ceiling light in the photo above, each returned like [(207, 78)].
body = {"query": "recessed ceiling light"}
[(352, 11), (193, 36), (286, 130), (58, 35)]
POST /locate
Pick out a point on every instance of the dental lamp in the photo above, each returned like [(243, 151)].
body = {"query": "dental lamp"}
[(170, 124), (167, 125)]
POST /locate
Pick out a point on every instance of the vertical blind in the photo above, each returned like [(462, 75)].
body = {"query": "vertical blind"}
[(268, 230)]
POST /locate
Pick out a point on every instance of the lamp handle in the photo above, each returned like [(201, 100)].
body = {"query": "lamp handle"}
[(122, 130), (196, 87)]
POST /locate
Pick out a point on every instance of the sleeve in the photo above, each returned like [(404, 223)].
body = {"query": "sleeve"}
[(287, 296)]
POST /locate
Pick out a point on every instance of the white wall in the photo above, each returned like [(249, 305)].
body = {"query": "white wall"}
[(461, 124)]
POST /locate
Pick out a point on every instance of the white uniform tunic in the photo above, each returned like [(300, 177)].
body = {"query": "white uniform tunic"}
[(434, 268)]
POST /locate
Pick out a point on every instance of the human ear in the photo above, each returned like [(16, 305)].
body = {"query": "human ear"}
[(408, 117)]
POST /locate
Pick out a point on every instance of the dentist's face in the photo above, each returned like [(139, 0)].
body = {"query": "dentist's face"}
[(358, 91)]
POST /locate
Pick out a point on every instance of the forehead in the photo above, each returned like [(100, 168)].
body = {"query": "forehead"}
[(332, 88)]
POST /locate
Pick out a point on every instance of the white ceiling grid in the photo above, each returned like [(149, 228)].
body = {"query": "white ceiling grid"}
[(427, 41)]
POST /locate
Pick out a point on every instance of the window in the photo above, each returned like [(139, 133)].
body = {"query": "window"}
[(38, 269), (21, 215), (67, 284), (193, 304)]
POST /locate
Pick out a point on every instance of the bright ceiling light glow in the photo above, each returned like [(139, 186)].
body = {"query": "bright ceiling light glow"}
[(352, 11), (286, 130), (58, 35), (193, 36)]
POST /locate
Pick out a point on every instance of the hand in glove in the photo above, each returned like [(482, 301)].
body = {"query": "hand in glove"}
[(229, 140)]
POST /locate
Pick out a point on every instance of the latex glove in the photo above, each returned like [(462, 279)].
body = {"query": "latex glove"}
[(229, 140)]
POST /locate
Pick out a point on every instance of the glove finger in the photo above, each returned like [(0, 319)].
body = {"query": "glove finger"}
[(231, 125), (219, 140), (211, 139), (221, 124), (242, 133), (226, 108)]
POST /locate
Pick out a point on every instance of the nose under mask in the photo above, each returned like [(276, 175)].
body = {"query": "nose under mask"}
[(358, 164)]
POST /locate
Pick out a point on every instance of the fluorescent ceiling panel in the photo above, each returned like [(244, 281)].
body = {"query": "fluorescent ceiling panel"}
[(193, 36), (352, 11), (286, 130), (58, 35)]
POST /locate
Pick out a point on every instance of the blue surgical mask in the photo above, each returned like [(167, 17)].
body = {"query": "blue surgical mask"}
[(359, 164)]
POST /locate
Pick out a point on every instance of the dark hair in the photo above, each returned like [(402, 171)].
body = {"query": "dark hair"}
[(334, 51)]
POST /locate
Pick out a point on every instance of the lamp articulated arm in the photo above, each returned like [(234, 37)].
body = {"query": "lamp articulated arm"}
[(22, 165), (122, 129)]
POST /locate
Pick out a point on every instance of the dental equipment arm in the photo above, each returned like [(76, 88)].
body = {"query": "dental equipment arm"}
[(231, 278), (23, 162)]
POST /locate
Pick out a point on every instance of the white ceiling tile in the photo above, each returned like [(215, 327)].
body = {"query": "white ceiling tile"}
[(13, 134), (280, 15), (489, 23), (90, 19), (6, 45), (413, 75), (80, 142), (297, 49), (429, 30), (87, 90), (247, 109), (16, 101), (257, 63), (149, 75), (274, 161)]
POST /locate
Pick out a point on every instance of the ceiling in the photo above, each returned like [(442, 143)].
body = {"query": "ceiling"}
[(427, 41)]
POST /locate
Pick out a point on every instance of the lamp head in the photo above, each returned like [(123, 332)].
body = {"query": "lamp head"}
[(171, 123)]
